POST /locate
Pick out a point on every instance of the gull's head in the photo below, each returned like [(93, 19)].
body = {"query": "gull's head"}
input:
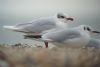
[(88, 29), (62, 17)]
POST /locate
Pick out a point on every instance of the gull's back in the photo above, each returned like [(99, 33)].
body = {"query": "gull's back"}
[(37, 25), (62, 35)]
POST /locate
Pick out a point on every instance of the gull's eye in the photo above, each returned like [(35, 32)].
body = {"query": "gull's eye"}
[(88, 29), (59, 16)]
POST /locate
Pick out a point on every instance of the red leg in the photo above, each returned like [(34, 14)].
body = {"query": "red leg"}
[(46, 44)]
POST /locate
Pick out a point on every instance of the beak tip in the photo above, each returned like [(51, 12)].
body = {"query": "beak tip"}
[(96, 32)]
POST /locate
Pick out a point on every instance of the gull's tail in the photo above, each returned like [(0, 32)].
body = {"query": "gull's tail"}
[(10, 28), (16, 29)]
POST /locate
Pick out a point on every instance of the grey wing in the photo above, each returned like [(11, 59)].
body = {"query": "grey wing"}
[(93, 43), (38, 25), (62, 35)]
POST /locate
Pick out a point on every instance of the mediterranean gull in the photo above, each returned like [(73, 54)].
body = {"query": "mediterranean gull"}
[(73, 37)]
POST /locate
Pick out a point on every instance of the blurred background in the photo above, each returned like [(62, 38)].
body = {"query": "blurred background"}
[(20, 11)]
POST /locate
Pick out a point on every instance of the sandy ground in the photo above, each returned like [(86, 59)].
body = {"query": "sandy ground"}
[(27, 56)]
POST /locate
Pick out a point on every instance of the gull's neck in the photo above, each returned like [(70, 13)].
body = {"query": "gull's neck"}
[(60, 24)]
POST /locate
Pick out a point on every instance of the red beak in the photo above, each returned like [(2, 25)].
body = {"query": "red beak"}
[(69, 18)]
